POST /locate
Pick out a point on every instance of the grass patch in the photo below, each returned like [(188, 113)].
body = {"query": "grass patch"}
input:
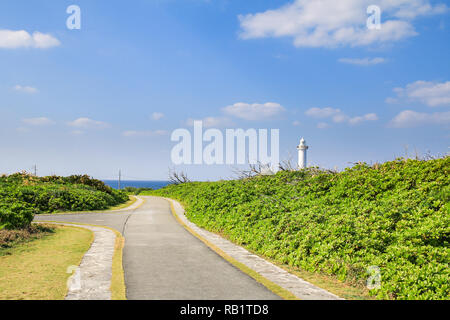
[(10, 238), (34, 268), (118, 290), (130, 202)]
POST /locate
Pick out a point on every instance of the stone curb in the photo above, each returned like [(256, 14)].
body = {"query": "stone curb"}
[(91, 280)]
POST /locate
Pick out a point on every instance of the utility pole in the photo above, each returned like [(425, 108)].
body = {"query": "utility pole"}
[(120, 177), (35, 170)]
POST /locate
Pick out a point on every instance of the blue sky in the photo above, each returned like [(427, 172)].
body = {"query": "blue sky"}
[(109, 95)]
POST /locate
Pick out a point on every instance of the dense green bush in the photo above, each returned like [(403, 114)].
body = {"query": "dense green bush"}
[(395, 216), (22, 196), (136, 191)]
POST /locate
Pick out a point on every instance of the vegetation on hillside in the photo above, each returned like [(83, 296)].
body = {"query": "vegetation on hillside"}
[(394, 216), (136, 191), (23, 195)]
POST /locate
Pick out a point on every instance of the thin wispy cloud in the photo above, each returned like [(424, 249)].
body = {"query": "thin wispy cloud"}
[(331, 23), (322, 125), (255, 111), (212, 122), (337, 116), (23, 129), (148, 133), (77, 132), (432, 94), (10, 39), (40, 121), (157, 116), (364, 62), (410, 119), (25, 89), (322, 112), (87, 123)]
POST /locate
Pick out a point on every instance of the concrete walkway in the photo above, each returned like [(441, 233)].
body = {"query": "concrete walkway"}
[(95, 271), (299, 287), (162, 260), (91, 280)]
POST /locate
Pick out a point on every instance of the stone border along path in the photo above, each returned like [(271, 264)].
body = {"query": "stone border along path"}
[(297, 286), (95, 270)]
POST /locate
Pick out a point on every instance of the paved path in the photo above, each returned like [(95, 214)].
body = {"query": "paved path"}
[(92, 280), (164, 261), (299, 287)]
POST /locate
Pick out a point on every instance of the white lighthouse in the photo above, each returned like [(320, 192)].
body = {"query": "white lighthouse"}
[(302, 150)]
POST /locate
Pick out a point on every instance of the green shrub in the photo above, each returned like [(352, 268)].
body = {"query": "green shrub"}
[(395, 216), (136, 191), (23, 195)]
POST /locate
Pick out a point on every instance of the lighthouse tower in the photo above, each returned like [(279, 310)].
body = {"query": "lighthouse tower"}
[(302, 150)]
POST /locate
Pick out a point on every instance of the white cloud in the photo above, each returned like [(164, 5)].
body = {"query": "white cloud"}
[(338, 116), (155, 133), (322, 125), (366, 117), (25, 89), (322, 112), (212, 122), (409, 119), (87, 123), (363, 62), (10, 39), (432, 94), (296, 123), (41, 121), (157, 116), (255, 111), (331, 23), (23, 130)]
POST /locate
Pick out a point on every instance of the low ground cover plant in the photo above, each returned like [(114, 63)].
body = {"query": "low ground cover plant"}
[(9, 238), (136, 191), (23, 195), (392, 217)]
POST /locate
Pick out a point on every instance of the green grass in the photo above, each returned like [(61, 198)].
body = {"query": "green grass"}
[(395, 216), (35, 269), (118, 289)]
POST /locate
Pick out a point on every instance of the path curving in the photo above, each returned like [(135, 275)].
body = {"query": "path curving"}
[(164, 261)]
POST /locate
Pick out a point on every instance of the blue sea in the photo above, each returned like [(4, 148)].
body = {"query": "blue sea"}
[(137, 184)]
